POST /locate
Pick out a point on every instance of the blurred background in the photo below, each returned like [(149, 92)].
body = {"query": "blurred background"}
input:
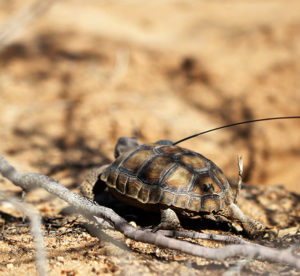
[(77, 75)]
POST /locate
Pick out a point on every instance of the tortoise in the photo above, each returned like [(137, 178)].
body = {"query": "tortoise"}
[(170, 179)]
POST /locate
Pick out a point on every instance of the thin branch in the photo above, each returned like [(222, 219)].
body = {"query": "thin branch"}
[(36, 230), (204, 236), (30, 180)]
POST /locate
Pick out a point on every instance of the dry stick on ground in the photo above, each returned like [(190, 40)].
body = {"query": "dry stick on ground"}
[(36, 230), (30, 180), (21, 20), (204, 236), (185, 234)]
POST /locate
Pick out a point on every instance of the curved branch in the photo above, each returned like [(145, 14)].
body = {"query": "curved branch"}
[(90, 208)]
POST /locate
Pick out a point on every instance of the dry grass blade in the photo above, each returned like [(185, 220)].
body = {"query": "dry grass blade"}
[(240, 165), (90, 208), (36, 230)]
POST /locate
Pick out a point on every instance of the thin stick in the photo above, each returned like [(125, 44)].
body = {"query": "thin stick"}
[(203, 236), (36, 230)]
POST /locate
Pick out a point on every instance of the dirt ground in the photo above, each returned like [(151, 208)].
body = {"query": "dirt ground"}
[(88, 72)]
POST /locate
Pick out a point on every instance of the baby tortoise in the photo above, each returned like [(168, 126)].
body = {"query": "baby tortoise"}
[(170, 179)]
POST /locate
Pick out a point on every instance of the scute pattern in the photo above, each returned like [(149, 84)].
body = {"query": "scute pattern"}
[(178, 179), (205, 184), (154, 169), (135, 161), (193, 161), (210, 203), (168, 175)]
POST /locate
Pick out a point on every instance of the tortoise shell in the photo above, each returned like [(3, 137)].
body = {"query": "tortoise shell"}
[(161, 174)]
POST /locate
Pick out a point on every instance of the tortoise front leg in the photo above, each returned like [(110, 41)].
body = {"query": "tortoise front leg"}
[(168, 220)]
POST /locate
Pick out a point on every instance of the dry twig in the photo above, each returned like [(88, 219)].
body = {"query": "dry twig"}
[(204, 236), (90, 208), (36, 230)]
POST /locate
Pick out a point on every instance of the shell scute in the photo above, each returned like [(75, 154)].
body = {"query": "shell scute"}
[(219, 176), (155, 195), (167, 198), (182, 201), (204, 184), (133, 187), (195, 204), (211, 203), (143, 194), (171, 149), (154, 170), (112, 177), (135, 161), (193, 161), (121, 183), (178, 179)]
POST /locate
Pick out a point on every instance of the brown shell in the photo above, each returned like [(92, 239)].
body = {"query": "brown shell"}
[(167, 175)]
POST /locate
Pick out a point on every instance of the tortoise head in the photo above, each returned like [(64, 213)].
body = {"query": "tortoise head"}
[(125, 144)]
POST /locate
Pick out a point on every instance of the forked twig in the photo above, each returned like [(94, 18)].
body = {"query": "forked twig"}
[(90, 208), (36, 230)]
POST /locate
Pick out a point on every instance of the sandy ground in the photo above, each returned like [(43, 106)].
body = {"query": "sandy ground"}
[(84, 74)]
